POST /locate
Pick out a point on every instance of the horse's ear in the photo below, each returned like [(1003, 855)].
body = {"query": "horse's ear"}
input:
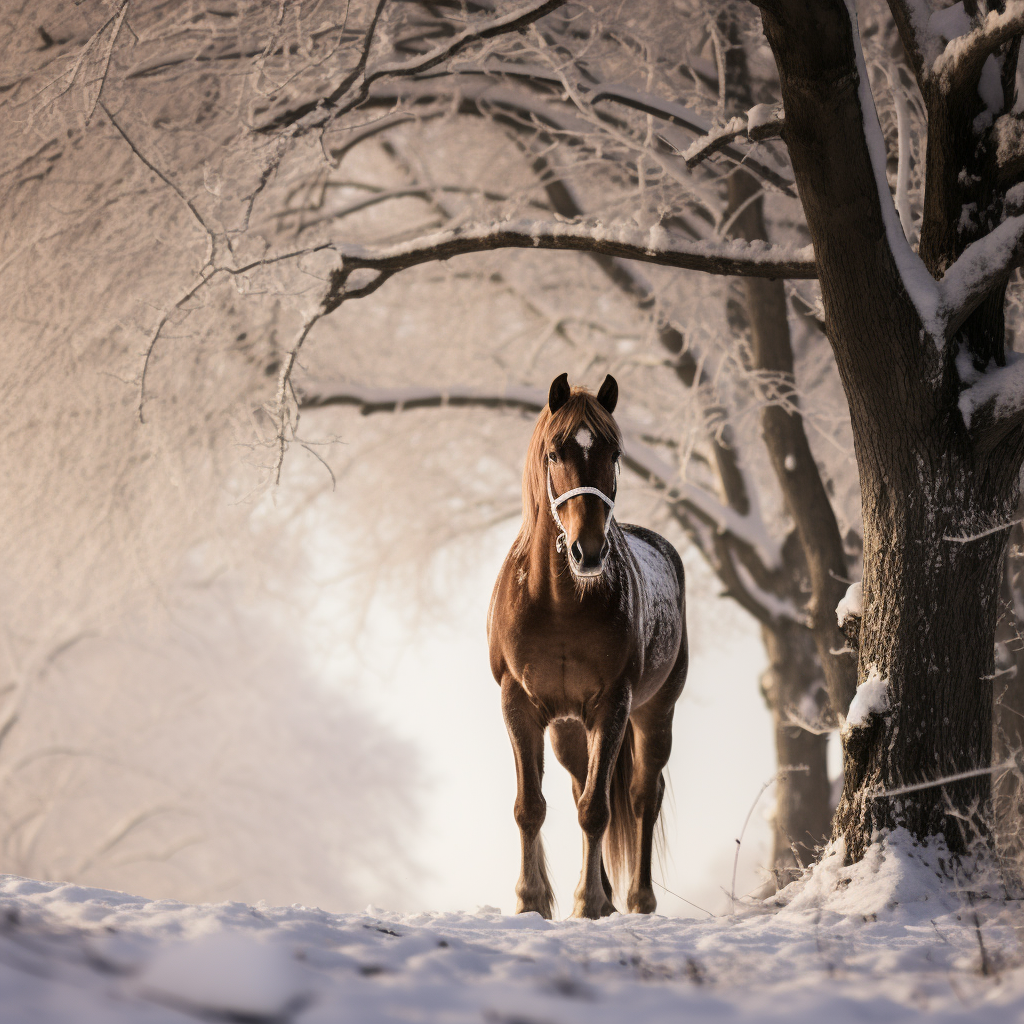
[(558, 394), (609, 393)]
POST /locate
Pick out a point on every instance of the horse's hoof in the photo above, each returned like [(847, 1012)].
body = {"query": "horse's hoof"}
[(537, 905), (642, 902), (593, 910)]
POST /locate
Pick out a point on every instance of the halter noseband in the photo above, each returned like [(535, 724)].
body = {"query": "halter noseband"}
[(553, 502)]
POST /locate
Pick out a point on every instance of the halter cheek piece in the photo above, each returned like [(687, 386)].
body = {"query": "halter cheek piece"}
[(562, 542)]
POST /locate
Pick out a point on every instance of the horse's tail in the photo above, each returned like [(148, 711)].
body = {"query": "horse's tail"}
[(620, 839)]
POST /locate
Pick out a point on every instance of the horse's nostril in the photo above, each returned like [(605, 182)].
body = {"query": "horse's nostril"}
[(604, 550), (576, 551)]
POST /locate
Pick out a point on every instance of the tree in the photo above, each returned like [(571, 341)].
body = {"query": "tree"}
[(113, 667)]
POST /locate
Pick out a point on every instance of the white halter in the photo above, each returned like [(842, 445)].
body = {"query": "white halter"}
[(554, 502)]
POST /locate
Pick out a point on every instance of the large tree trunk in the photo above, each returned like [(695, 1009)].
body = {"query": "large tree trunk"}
[(926, 637), (928, 629)]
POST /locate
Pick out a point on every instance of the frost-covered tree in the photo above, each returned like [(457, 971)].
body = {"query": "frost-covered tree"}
[(160, 727)]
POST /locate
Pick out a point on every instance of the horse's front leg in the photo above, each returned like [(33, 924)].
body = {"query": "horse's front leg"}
[(526, 731), (604, 738), (569, 742)]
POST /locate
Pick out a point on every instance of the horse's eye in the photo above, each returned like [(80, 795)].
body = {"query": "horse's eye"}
[(552, 456)]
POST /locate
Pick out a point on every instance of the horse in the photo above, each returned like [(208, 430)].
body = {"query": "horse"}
[(587, 637)]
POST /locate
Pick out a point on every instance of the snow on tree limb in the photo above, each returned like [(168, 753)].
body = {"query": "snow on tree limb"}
[(961, 61), (735, 258), (690, 120), (1008, 134), (765, 118), (761, 122), (981, 265), (921, 43), (919, 285)]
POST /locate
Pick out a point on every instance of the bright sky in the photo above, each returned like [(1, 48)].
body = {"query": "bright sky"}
[(438, 692)]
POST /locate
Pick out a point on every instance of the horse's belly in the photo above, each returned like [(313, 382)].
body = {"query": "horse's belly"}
[(662, 640), (661, 625)]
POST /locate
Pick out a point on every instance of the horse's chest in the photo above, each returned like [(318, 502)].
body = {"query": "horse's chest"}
[(564, 661)]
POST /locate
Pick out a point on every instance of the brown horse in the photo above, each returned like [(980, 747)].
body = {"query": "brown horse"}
[(587, 635)]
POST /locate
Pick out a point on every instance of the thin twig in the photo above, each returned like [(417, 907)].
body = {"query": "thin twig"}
[(683, 898), (959, 776), (984, 533), (169, 183)]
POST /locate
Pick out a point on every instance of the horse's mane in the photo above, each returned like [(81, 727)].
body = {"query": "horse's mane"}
[(581, 409)]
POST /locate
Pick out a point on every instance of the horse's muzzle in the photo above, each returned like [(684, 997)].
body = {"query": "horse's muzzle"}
[(585, 566)]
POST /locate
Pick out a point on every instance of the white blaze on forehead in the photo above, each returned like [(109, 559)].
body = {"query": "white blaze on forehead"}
[(584, 438)]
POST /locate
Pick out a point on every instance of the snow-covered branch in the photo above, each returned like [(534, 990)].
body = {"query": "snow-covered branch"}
[(1008, 134), (767, 124), (979, 268), (911, 17), (471, 84), (761, 122), (736, 258), (960, 63)]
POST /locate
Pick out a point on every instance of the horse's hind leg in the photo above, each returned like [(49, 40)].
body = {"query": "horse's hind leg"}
[(533, 890), (652, 744), (603, 741), (569, 742)]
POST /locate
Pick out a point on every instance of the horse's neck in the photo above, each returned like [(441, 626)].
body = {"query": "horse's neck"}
[(548, 568)]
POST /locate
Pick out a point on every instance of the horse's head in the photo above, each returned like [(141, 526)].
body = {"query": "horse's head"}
[(580, 454)]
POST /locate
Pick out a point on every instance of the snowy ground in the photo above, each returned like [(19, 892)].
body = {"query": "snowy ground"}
[(874, 942)]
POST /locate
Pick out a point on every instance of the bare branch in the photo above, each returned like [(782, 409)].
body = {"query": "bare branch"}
[(757, 551), (357, 84), (374, 400), (206, 276), (281, 411), (168, 182), (114, 34)]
